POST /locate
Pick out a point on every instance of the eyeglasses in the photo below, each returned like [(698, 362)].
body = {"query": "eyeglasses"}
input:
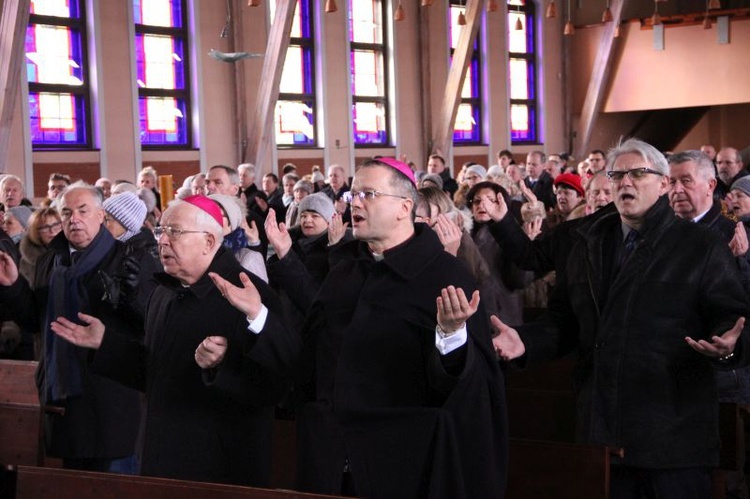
[(349, 196), (174, 233), (49, 227), (478, 201), (634, 174)]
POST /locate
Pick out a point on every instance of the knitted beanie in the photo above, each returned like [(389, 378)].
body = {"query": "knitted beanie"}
[(22, 214), (434, 178), (477, 169), (231, 206), (742, 184), (304, 185), (128, 210), (320, 204)]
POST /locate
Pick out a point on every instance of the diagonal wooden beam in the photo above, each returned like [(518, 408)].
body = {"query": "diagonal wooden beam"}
[(599, 80), (443, 136), (261, 123), (425, 39), (13, 22)]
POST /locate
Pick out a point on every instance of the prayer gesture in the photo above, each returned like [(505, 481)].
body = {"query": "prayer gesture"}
[(245, 299), (336, 229), (449, 234), (88, 336), (277, 235), (8, 270), (453, 309), (720, 347), (739, 244)]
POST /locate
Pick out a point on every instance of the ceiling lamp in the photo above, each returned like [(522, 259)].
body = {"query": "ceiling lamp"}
[(331, 6), (399, 14), (551, 10)]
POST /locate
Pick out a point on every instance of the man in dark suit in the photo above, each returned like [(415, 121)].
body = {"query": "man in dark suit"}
[(538, 180)]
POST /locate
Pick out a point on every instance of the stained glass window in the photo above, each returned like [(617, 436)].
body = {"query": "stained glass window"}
[(467, 129), (369, 80), (294, 117), (56, 72), (522, 71), (162, 73)]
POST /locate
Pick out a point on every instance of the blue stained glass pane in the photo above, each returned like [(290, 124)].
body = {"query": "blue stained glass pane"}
[(57, 119), (70, 8), (167, 13), (369, 123), (294, 123), (304, 8), (163, 121), (469, 131), (159, 62)]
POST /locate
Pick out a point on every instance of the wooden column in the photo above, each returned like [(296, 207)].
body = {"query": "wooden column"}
[(261, 123), (15, 18), (443, 135), (599, 80), (240, 110)]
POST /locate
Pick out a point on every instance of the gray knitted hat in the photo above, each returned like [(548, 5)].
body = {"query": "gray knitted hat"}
[(22, 214), (742, 184), (304, 185), (434, 178), (129, 210), (478, 169), (319, 203)]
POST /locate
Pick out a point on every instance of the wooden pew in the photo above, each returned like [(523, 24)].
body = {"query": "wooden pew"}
[(558, 470), (20, 415), (32, 483)]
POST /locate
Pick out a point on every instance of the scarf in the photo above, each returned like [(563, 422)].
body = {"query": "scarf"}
[(67, 296), (235, 240)]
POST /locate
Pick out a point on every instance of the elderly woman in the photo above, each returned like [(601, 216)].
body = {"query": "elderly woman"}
[(16, 222), (236, 235)]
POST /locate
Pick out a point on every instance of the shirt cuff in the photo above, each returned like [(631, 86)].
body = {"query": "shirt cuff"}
[(256, 325), (447, 344)]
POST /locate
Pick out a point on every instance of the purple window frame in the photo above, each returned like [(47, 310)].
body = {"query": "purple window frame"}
[(531, 135), (461, 137)]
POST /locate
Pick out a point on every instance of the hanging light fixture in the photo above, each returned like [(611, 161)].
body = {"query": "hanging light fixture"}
[(551, 10), (253, 3), (607, 14), (656, 18), (399, 14), (426, 3), (492, 6), (714, 4), (569, 29), (461, 21), (519, 24), (331, 6)]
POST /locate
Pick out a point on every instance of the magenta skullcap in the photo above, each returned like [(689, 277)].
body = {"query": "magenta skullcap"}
[(208, 205), (400, 166)]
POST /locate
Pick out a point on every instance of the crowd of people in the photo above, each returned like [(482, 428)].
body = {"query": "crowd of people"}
[(380, 311)]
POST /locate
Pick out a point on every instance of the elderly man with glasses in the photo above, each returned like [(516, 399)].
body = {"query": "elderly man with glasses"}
[(653, 305), (215, 361), (404, 394)]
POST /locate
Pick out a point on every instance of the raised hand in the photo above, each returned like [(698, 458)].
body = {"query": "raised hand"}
[(527, 193), (533, 228), (245, 299), (8, 270), (277, 235), (507, 343), (88, 336), (251, 232), (336, 229), (719, 346), (449, 234), (495, 208), (453, 309), (211, 351)]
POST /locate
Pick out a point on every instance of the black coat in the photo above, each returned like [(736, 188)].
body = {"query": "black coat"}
[(410, 422), (102, 422), (639, 385), (543, 190), (212, 425)]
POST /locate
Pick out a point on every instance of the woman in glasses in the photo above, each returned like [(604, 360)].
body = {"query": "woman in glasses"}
[(44, 225)]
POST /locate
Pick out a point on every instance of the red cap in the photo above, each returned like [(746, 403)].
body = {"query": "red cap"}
[(571, 180), (400, 166), (208, 205)]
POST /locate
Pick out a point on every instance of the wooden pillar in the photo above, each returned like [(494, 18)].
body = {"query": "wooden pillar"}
[(13, 23), (443, 135), (599, 80), (261, 124)]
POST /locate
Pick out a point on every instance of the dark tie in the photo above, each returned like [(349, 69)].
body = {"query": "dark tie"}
[(630, 241), (75, 256)]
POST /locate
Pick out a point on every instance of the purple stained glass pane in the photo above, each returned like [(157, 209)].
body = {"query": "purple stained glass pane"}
[(166, 13), (369, 124), (304, 7), (472, 136), (163, 121), (57, 119), (159, 62), (46, 63)]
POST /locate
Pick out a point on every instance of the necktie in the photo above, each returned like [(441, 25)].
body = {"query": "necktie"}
[(630, 241)]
